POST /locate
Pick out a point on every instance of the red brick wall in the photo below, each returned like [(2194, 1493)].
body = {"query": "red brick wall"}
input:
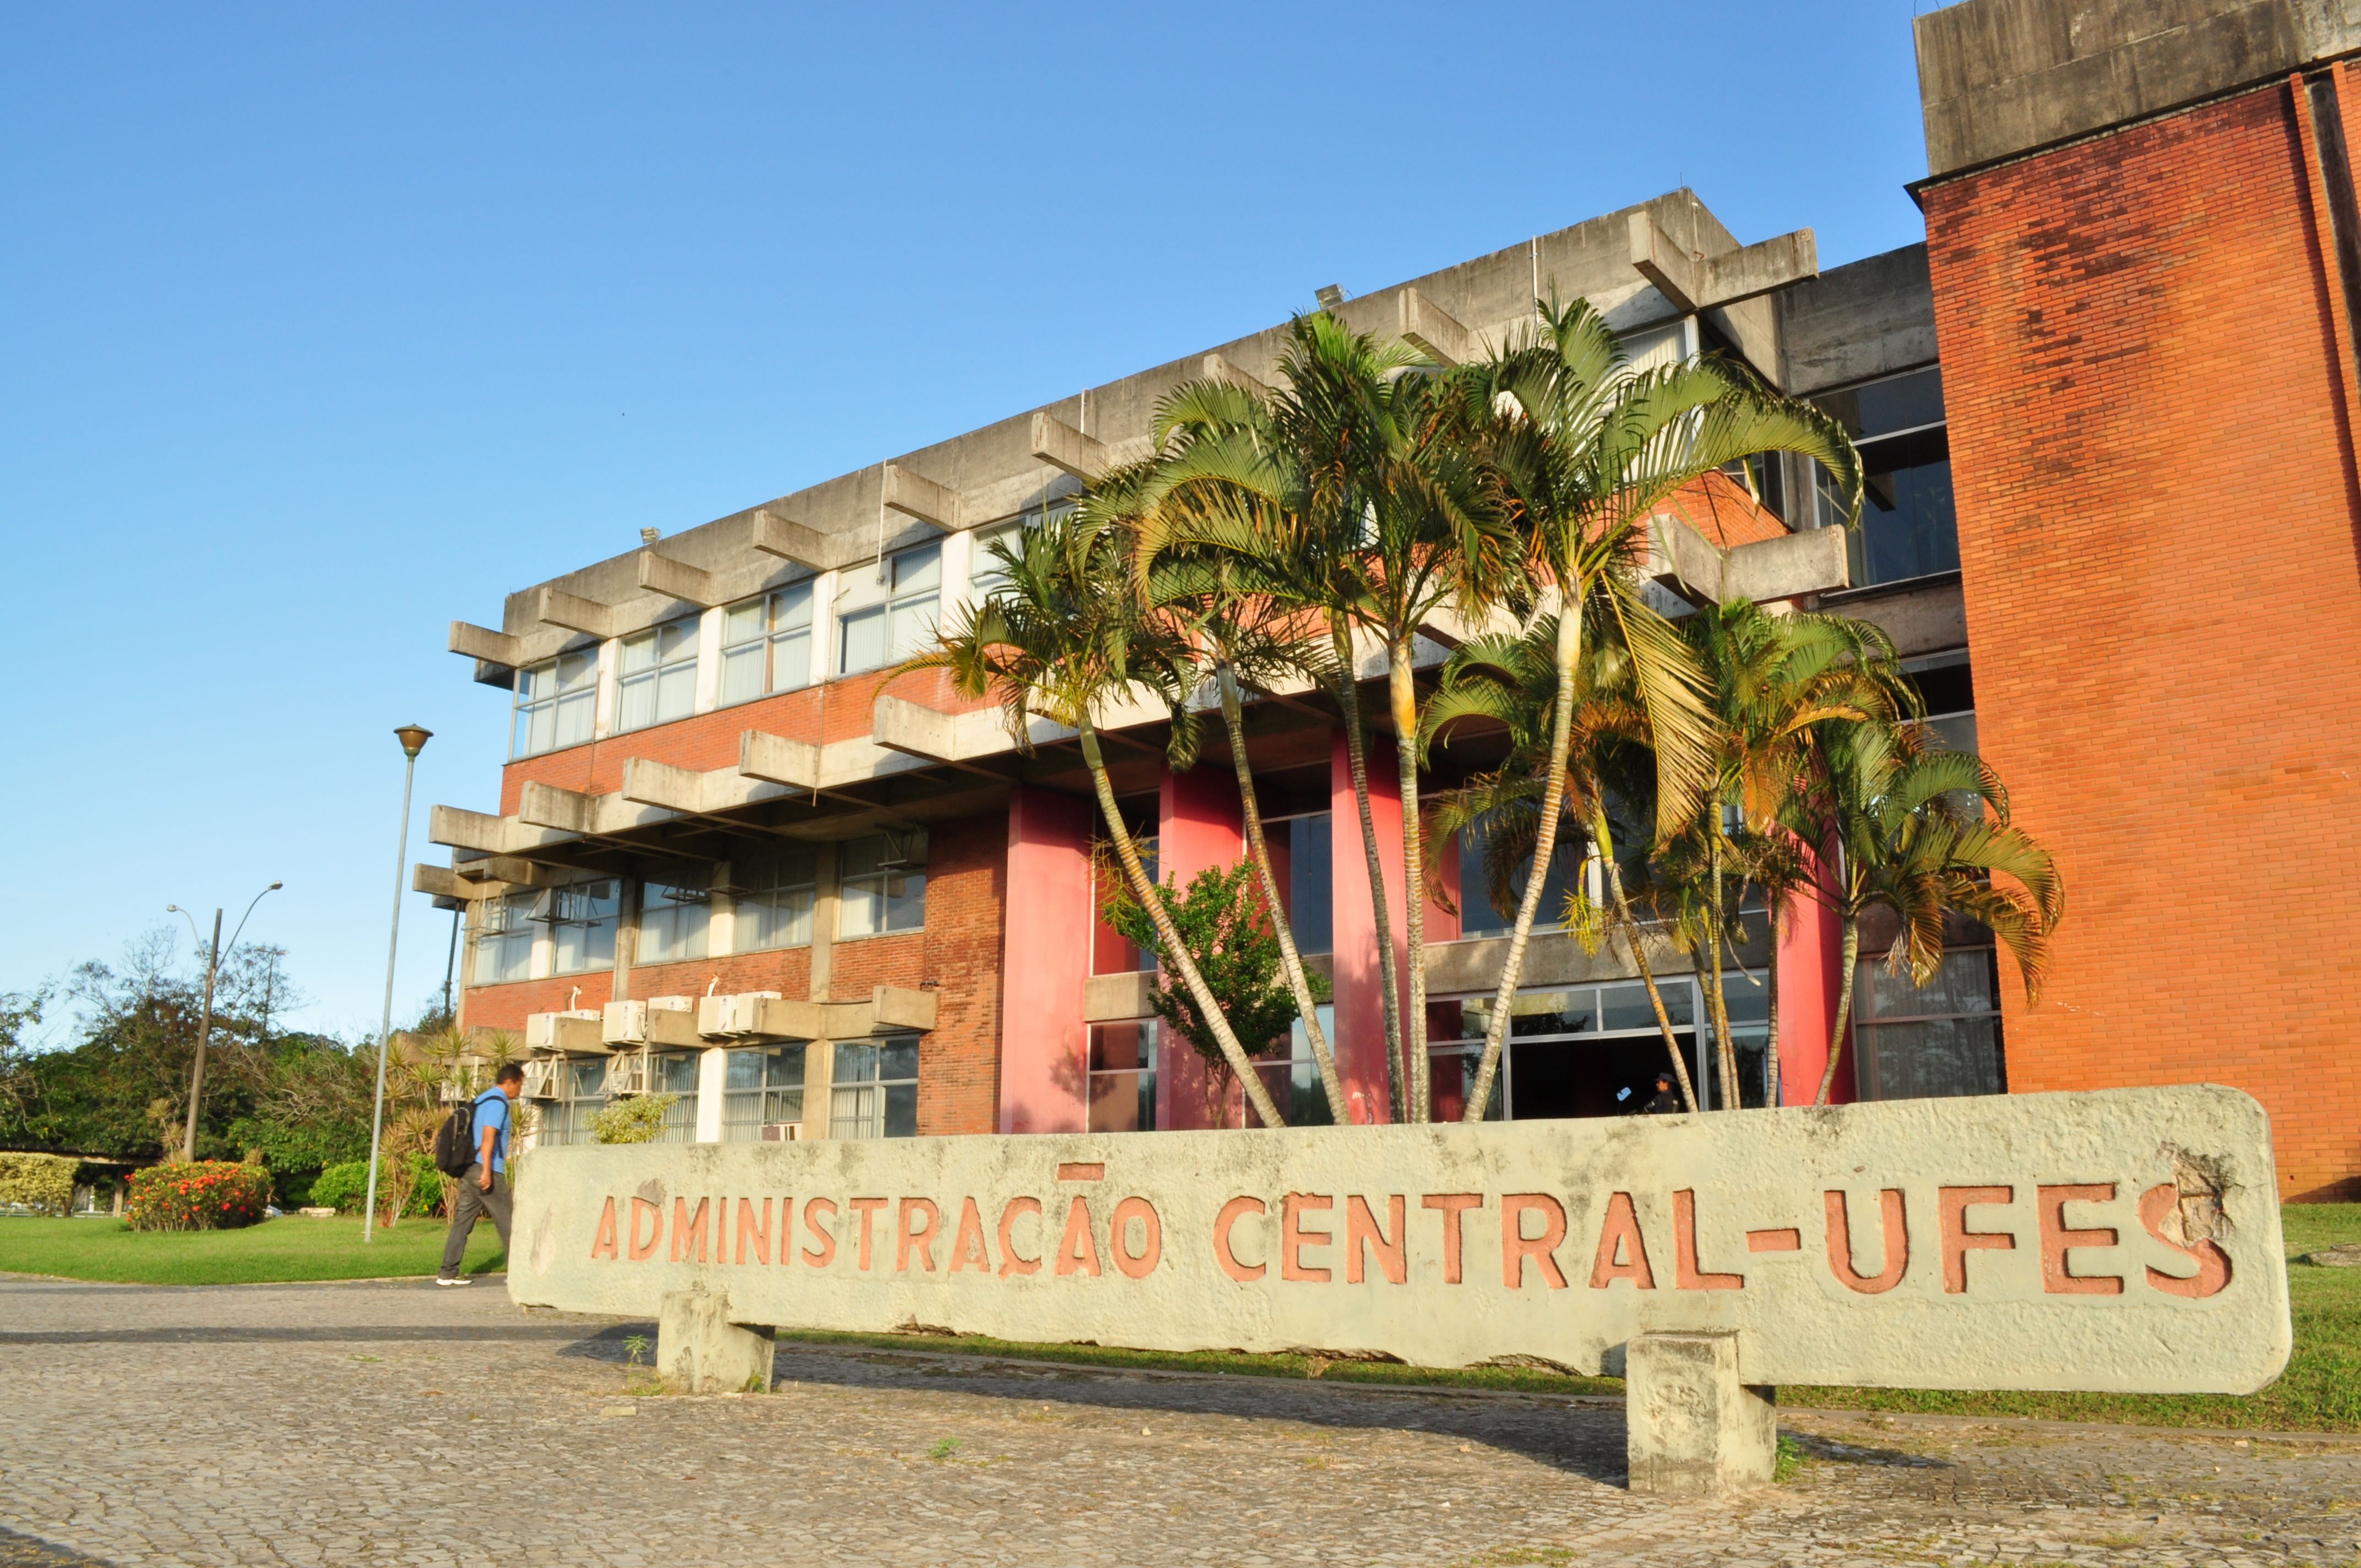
[(2157, 534), (505, 1007)]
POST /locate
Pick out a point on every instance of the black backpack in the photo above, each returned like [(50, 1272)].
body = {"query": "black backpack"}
[(455, 1141)]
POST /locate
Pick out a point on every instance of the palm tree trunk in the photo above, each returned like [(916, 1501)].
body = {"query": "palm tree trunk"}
[(1512, 968), (1160, 917), (1773, 1089), (1234, 717), (1725, 1051), (1844, 1007), (1599, 829), (1357, 756), (1403, 687)]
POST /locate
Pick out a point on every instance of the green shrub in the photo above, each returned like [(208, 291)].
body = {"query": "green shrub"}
[(41, 1182), (198, 1195), (639, 1120), (345, 1187)]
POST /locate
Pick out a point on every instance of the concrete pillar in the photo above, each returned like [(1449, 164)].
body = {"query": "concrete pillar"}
[(1201, 825), (712, 1080), (700, 1351), (1360, 1039), (1810, 961), (1046, 961), (1692, 1429)]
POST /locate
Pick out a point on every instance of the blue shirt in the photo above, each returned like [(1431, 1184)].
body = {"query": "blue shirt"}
[(492, 1111)]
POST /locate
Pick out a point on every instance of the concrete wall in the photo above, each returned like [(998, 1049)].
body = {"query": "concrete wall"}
[(1867, 319), (2001, 77)]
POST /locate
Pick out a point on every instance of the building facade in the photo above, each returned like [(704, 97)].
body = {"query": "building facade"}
[(735, 861)]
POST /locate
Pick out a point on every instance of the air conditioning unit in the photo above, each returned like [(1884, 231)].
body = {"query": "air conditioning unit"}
[(627, 1073), (576, 1030), (541, 1078), (655, 1021), (729, 1016), (783, 1132)]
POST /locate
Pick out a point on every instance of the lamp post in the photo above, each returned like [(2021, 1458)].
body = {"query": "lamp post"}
[(205, 1019), (414, 739)]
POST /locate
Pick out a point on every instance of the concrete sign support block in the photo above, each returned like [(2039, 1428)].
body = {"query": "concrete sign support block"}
[(700, 1351), (1692, 1429)]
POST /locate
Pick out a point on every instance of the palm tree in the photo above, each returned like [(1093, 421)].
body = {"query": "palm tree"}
[(1512, 682), (1063, 639), (1582, 450), (1924, 832), (1354, 498)]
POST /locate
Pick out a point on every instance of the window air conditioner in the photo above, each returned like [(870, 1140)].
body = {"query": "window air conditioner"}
[(627, 1073), (783, 1132), (541, 1078), (731, 1015), (545, 1032)]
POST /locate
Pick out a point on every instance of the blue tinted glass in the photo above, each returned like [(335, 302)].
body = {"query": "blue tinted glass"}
[(1309, 894)]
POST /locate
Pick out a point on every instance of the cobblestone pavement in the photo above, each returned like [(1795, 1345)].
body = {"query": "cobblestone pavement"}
[(399, 1424)]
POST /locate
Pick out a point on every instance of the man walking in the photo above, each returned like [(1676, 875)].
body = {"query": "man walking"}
[(484, 1190)]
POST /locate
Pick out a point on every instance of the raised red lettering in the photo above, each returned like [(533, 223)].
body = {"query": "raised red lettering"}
[(1896, 1231), (1687, 1275), (1452, 1207), (1363, 1235), (1622, 1251), (603, 1244), (2157, 1205), (1141, 1264), (1516, 1246), (2057, 1275), (1232, 1212), (1952, 1204), (920, 1237)]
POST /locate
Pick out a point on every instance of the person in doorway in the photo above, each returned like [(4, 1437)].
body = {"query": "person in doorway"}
[(484, 1190), (1664, 1102)]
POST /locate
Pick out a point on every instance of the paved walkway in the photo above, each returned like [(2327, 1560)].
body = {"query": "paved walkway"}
[(350, 1424)]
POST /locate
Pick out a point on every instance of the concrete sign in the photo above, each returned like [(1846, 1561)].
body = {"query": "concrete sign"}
[(2123, 1241)]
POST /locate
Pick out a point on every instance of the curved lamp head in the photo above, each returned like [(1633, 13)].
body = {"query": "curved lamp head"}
[(414, 739), (274, 887)]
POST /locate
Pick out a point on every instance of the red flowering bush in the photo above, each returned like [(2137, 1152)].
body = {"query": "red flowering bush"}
[(202, 1195)]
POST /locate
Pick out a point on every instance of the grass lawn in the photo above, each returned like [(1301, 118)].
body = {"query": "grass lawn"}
[(275, 1251)]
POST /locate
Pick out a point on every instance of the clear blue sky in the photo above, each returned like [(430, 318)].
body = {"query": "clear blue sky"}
[(322, 325)]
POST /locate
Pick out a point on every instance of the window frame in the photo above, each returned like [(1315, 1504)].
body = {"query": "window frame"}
[(863, 1108), (563, 701), (673, 913), (899, 600), (559, 915), (765, 1097), (764, 887), (516, 911), (772, 639), (851, 885), (662, 675)]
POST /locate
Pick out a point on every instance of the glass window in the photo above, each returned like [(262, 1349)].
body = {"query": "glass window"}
[(766, 645), (1294, 1081), (1908, 527), (774, 902), (1300, 861), (674, 1073), (581, 921), (882, 883), (504, 939), (578, 1091), (672, 922), (763, 1088), (875, 1095), (1931, 1041), (658, 678), (555, 703), (1122, 1077), (987, 574), (1478, 914), (872, 638), (1572, 1050)]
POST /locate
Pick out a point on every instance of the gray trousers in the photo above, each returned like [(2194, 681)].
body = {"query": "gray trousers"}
[(471, 1204)]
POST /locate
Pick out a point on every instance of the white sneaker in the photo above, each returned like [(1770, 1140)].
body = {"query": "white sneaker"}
[(462, 1280)]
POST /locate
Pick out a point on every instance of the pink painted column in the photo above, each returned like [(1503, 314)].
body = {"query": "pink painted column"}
[(1811, 966), (1360, 1041), (1200, 825), (1047, 927)]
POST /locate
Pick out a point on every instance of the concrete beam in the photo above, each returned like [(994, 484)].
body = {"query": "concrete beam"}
[(661, 783), (1812, 562), (442, 882), (642, 1022), (555, 606), (892, 1007), (482, 643), (1061, 445), (546, 806), (790, 541), (1220, 368), (516, 870), (1117, 998), (1694, 282), (905, 726), (677, 579), (774, 759), (914, 495), (574, 1033), (463, 829), (1428, 328)]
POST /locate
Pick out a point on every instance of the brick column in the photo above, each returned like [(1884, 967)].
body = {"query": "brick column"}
[(1044, 1046)]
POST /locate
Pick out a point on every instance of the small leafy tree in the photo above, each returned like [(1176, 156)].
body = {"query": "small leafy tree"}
[(637, 1120), (1222, 923)]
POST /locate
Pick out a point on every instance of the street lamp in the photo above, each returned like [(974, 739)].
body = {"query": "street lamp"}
[(414, 739), (205, 1020)]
